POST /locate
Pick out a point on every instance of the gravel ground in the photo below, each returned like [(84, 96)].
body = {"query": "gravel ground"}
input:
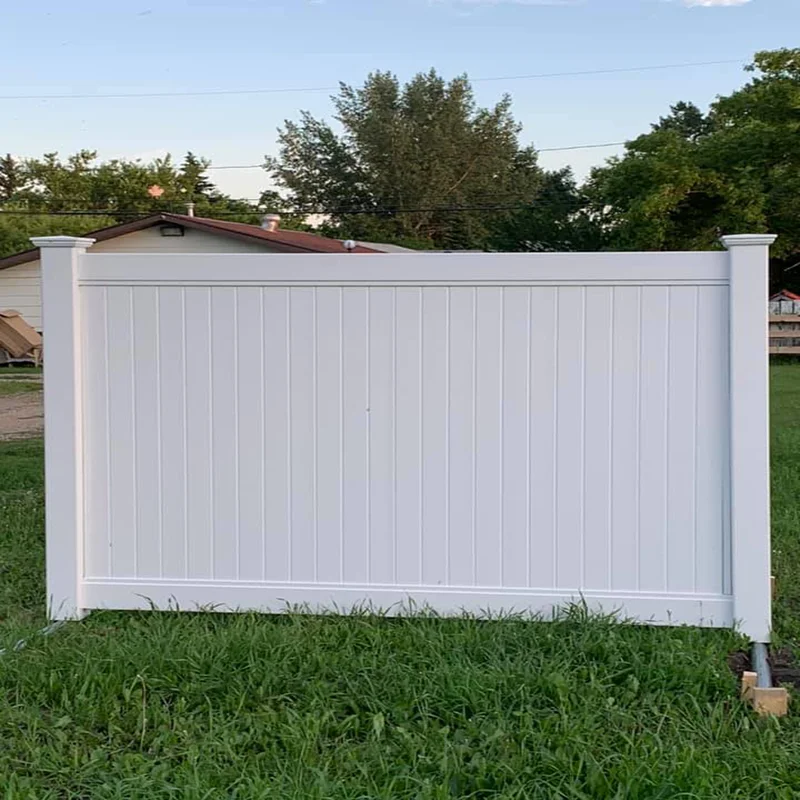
[(21, 415)]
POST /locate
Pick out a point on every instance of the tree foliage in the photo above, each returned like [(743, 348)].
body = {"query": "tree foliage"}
[(116, 189), (557, 219), (425, 146), (695, 176)]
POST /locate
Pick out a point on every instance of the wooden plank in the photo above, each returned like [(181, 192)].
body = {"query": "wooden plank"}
[(771, 702), (749, 680), (784, 334), (784, 318), (786, 351)]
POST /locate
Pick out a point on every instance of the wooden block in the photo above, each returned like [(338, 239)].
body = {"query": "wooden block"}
[(771, 702), (749, 680)]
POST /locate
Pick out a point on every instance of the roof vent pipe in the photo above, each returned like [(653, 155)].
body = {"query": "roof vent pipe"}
[(190, 209), (271, 222)]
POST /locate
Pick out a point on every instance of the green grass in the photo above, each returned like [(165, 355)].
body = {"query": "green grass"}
[(8, 387), (157, 705), (11, 371), (785, 409)]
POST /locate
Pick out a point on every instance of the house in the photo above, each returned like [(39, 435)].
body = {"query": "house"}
[(784, 302), (784, 323), (20, 276)]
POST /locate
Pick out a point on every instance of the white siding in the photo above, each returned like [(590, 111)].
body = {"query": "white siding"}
[(21, 289), (20, 286), (150, 240)]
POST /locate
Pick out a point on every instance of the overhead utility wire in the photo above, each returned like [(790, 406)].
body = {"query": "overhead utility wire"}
[(538, 150), (303, 211), (301, 89)]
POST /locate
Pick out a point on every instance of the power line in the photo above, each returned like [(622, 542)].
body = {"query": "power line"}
[(298, 211), (538, 150), (303, 89)]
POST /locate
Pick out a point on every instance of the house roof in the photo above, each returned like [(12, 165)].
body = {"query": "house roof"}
[(785, 294), (284, 240)]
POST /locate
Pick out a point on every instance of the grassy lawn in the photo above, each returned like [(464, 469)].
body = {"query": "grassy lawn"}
[(11, 371), (212, 706), (9, 386)]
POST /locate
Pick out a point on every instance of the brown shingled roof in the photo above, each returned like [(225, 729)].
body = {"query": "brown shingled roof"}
[(284, 240)]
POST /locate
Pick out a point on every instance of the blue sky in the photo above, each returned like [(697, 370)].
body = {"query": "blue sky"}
[(53, 47)]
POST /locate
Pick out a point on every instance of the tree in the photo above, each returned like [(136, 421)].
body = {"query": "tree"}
[(193, 181), (44, 190), (556, 220), (695, 176), (425, 147), (11, 177), (16, 230)]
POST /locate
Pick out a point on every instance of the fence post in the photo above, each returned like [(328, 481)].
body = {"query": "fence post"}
[(63, 439), (749, 388)]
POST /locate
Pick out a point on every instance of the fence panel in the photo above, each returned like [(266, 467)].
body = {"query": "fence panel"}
[(468, 432)]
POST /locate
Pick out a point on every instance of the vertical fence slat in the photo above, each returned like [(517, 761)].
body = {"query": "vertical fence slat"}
[(329, 445), (173, 430), (712, 432), (381, 439), (147, 444), (223, 430), (96, 442), (355, 484), (121, 424), (680, 444), (515, 487), (277, 506), (250, 432), (652, 522), (597, 444), (489, 406), (407, 434), (301, 433), (434, 438), (199, 501), (569, 433), (543, 436), (624, 438), (461, 445)]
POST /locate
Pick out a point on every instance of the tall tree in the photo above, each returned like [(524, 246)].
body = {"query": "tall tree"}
[(39, 188), (193, 180), (425, 147), (696, 176), (11, 177), (558, 219)]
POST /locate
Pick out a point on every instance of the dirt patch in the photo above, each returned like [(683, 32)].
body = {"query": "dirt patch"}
[(21, 415), (785, 667), (739, 662)]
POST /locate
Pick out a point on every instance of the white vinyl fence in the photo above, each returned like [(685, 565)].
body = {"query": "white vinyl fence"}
[(468, 432)]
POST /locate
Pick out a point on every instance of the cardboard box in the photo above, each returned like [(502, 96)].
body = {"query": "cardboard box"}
[(16, 335)]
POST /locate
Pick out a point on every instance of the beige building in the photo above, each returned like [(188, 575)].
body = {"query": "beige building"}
[(20, 275)]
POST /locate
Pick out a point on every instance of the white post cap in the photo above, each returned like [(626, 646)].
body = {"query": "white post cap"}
[(748, 240), (62, 241)]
